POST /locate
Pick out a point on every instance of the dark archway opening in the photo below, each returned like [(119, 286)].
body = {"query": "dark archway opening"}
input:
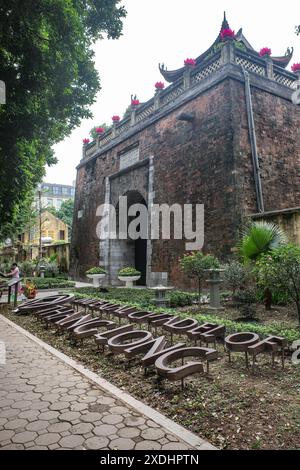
[(134, 251)]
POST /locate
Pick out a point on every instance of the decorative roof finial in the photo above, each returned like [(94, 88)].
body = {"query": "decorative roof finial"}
[(225, 24)]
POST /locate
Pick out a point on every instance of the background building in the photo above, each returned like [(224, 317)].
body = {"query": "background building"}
[(53, 195), (54, 237)]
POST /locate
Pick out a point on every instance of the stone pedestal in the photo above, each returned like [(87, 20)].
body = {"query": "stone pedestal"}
[(269, 67), (133, 116), (228, 52), (214, 282), (157, 99), (187, 76)]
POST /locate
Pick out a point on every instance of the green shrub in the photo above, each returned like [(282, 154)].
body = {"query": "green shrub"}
[(129, 271), (236, 276), (259, 238), (50, 283), (196, 264), (181, 299), (278, 298), (291, 334), (245, 300), (27, 268), (280, 270), (96, 270)]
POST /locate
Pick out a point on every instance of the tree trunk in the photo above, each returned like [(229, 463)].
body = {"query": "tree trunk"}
[(268, 298), (298, 310)]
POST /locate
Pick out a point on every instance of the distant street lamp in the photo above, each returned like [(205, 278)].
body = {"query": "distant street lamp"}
[(39, 190), (42, 270)]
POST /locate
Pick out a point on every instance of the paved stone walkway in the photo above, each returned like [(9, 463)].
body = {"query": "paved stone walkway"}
[(46, 404)]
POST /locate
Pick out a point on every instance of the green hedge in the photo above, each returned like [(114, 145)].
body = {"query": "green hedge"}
[(291, 334), (181, 299), (144, 297), (50, 283)]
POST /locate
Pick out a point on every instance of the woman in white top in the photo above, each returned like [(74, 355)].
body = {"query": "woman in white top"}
[(14, 274)]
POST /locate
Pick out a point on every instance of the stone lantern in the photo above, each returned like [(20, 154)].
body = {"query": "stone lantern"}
[(214, 283)]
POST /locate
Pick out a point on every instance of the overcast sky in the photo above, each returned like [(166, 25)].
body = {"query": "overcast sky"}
[(168, 31)]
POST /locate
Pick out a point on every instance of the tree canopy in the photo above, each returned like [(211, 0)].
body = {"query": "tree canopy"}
[(46, 62), (65, 213), (196, 264)]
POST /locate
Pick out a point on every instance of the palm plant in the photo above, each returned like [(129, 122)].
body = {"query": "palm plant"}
[(259, 238)]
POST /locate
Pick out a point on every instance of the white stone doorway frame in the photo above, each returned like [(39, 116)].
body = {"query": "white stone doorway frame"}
[(106, 245)]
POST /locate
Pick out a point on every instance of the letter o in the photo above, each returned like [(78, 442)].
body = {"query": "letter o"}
[(239, 342), (116, 343)]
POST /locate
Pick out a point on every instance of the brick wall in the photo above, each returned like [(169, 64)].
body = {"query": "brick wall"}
[(207, 161)]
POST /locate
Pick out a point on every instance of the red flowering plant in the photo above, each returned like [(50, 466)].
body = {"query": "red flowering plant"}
[(99, 130), (116, 118), (159, 85), (86, 141), (190, 62), (265, 51), (296, 67), (227, 34), (135, 102), (29, 290)]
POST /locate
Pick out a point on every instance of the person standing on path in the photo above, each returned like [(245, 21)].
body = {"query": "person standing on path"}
[(14, 274)]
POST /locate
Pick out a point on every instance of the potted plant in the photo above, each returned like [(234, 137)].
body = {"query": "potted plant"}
[(226, 34), (99, 130), (135, 102), (96, 274), (129, 275), (265, 52), (29, 290), (190, 62), (159, 86), (296, 69)]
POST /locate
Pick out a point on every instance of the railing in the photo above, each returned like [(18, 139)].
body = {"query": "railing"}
[(13, 289), (253, 64), (259, 66), (207, 69), (285, 78)]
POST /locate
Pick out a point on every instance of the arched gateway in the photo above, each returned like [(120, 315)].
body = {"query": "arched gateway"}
[(125, 189), (129, 252)]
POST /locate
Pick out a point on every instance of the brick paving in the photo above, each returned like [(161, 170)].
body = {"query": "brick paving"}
[(46, 404)]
